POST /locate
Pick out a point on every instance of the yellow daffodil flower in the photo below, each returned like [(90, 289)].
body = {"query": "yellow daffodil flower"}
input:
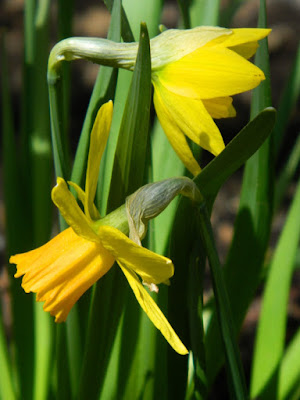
[(196, 86), (194, 73), (60, 271)]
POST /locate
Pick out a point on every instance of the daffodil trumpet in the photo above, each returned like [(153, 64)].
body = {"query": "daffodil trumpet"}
[(195, 73), (60, 271)]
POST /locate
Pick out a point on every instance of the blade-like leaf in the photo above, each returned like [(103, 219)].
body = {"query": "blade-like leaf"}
[(252, 226), (270, 336), (129, 159), (225, 317), (205, 12), (289, 374), (235, 154), (288, 101)]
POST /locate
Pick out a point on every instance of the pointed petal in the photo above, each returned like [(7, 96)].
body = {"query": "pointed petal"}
[(153, 311), (241, 36), (62, 270), (189, 116), (220, 107), (82, 197), (210, 72), (98, 139), (151, 267), (72, 213), (174, 133)]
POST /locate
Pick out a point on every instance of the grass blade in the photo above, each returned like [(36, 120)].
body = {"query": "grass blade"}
[(124, 179), (288, 101), (235, 369), (270, 336), (289, 373), (252, 225)]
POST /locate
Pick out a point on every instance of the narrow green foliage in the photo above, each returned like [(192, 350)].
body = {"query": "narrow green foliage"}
[(253, 222), (289, 373), (288, 101), (103, 91), (204, 12), (229, 11), (165, 164), (198, 385), (129, 164), (125, 27), (225, 317), (105, 315), (184, 10), (7, 389), (209, 181), (65, 17), (235, 154), (287, 173), (270, 337)]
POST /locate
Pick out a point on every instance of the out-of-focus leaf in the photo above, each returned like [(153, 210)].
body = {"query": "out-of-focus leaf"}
[(288, 101), (289, 373), (205, 12), (287, 173)]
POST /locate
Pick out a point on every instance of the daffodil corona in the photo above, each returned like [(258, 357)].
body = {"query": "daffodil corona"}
[(60, 271), (194, 73)]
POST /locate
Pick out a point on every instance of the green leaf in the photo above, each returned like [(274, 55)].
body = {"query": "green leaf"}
[(103, 91), (289, 373), (252, 225), (130, 158), (235, 154), (270, 338), (288, 101), (7, 390), (209, 182), (224, 313), (126, 29), (165, 164), (128, 175), (184, 6), (205, 12), (287, 173)]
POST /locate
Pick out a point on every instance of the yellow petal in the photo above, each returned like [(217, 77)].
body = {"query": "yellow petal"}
[(210, 72), (246, 50), (189, 116), (153, 311), (174, 133), (220, 107), (62, 270), (240, 36), (151, 267), (82, 197), (70, 210), (98, 139)]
